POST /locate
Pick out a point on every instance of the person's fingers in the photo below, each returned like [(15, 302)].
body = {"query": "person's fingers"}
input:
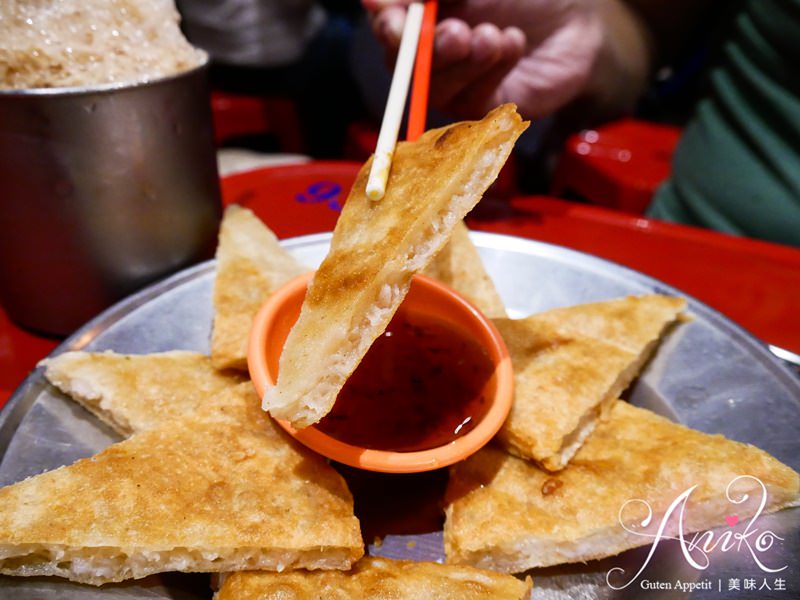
[(376, 5), (476, 99), (503, 13), (468, 63), (452, 36), (452, 43), (388, 26), (514, 42), (486, 50)]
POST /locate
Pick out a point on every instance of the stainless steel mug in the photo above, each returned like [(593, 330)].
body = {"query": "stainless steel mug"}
[(102, 190)]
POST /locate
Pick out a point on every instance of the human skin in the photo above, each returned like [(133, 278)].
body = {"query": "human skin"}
[(543, 55)]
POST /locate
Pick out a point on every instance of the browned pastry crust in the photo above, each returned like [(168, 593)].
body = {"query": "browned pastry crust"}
[(133, 392), (251, 265), (570, 364), (376, 249), (510, 515), (459, 265), (192, 496), (377, 578)]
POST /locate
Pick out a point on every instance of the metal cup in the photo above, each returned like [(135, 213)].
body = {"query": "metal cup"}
[(102, 190)]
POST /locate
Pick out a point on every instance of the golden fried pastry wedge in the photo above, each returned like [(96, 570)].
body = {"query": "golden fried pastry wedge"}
[(377, 578), (133, 392), (632, 323), (570, 364), (251, 265), (508, 514), (376, 249), (190, 496), (459, 265)]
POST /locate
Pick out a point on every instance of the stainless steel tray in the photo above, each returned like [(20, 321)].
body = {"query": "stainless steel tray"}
[(709, 374)]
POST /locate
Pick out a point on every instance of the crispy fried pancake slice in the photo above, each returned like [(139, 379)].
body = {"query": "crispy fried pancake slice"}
[(133, 392), (459, 265), (377, 578), (631, 323), (508, 514), (376, 249), (251, 265), (189, 496), (570, 364)]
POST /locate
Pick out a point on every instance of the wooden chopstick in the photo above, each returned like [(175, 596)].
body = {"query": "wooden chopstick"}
[(418, 108), (393, 113)]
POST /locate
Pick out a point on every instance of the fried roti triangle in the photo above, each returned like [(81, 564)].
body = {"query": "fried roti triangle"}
[(373, 577), (376, 249), (189, 496), (570, 364), (508, 514), (459, 265), (251, 265), (134, 392), (630, 323)]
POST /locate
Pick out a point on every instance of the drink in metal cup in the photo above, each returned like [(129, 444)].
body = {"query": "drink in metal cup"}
[(103, 189)]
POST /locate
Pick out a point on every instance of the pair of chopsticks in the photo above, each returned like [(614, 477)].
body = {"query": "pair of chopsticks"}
[(413, 57)]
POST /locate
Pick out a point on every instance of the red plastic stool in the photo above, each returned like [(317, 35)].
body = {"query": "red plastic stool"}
[(236, 115), (619, 165)]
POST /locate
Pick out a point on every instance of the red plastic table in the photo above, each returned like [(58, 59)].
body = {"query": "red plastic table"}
[(756, 284)]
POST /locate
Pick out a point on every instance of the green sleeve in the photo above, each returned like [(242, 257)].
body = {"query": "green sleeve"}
[(737, 167)]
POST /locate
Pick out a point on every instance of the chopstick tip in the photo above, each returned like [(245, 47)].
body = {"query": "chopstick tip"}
[(375, 192), (379, 175)]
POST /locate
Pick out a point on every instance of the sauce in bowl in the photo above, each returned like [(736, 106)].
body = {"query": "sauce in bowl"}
[(432, 389), (421, 385)]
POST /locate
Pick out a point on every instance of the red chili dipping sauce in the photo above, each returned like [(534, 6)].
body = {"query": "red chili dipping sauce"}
[(420, 386)]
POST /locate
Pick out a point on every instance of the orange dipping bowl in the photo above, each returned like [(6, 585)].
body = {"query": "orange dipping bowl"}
[(430, 302)]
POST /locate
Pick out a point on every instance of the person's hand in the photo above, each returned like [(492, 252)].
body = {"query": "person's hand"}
[(538, 54)]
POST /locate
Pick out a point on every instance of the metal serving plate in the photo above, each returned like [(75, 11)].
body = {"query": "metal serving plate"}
[(708, 374)]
